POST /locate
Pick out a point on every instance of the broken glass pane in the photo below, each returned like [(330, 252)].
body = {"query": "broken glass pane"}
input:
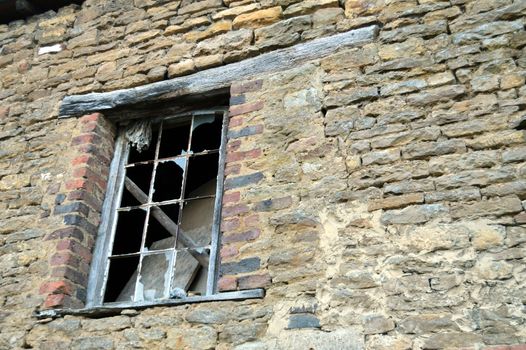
[(196, 223), (121, 279), (185, 270), (169, 180), (174, 140), (206, 134), (136, 185), (202, 176), (128, 234), (162, 227), (154, 277)]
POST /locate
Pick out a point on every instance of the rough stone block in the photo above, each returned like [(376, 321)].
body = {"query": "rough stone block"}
[(298, 321), (414, 214), (428, 149), (258, 18), (242, 266), (492, 207), (377, 324), (396, 202)]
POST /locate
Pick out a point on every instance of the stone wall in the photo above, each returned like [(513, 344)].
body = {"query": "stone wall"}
[(377, 194)]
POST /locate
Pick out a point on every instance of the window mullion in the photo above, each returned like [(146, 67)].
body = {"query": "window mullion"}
[(148, 212)]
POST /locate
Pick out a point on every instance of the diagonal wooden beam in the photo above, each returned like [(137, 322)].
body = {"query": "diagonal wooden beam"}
[(167, 223), (219, 77)]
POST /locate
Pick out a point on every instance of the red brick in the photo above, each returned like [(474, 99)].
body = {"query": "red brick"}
[(76, 184), (56, 287), (90, 117), (251, 221), (230, 225), (249, 235), (87, 173), (75, 247), (61, 301), (84, 139), (70, 274), (66, 258), (235, 122), (245, 108), (233, 146), (228, 252), (249, 86), (237, 156), (227, 283), (254, 281), (232, 169), (88, 198), (54, 300), (82, 159), (231, 197), (233, 210)]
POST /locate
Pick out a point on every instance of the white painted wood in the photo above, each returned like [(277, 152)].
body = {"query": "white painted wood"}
[(219, 77)]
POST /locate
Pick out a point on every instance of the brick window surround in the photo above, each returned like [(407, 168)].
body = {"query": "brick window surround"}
[(79, 201)]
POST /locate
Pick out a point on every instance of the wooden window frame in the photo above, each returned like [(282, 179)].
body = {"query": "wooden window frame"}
[(116, 182)]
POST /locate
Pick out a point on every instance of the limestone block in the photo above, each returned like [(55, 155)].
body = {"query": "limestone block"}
[(308, 6), (349, 339), (283, 33), (258, 18)]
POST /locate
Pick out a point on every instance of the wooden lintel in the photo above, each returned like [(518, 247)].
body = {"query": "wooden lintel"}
[(219, 77)]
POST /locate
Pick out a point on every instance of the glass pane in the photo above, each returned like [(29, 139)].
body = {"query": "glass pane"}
[(202, 175), (206, 134), (136, 185), (128, 234), (196, 223), (174, 140), (145, 154), (121, 279), (154, 280), (169, 180), (190, 273), (162, 227)]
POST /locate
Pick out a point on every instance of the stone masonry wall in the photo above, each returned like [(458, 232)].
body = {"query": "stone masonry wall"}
[(377, 194)]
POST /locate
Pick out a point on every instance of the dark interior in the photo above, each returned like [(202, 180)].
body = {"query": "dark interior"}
[(11, 10), (121, 270)]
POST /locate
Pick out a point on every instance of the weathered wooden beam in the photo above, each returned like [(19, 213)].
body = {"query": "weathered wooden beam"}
[(219, 77), (167, 223)]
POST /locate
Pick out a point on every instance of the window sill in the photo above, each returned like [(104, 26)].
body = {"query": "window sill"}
[(116, 308)]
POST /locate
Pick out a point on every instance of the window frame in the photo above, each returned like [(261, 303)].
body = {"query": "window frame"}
[(99, 269)]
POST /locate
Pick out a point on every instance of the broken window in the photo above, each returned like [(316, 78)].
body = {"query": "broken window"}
[(162, 221)]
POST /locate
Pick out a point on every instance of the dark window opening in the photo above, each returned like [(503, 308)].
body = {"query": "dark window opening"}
[(11, 10), (165, 225)]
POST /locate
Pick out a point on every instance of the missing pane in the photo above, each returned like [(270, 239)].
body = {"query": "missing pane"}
[(202, 175), (137, 185), (121, 279), (162, 227), (206, 134), (169, 180), (196, 223), (174, 140), (190, 276), (128, 234)]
